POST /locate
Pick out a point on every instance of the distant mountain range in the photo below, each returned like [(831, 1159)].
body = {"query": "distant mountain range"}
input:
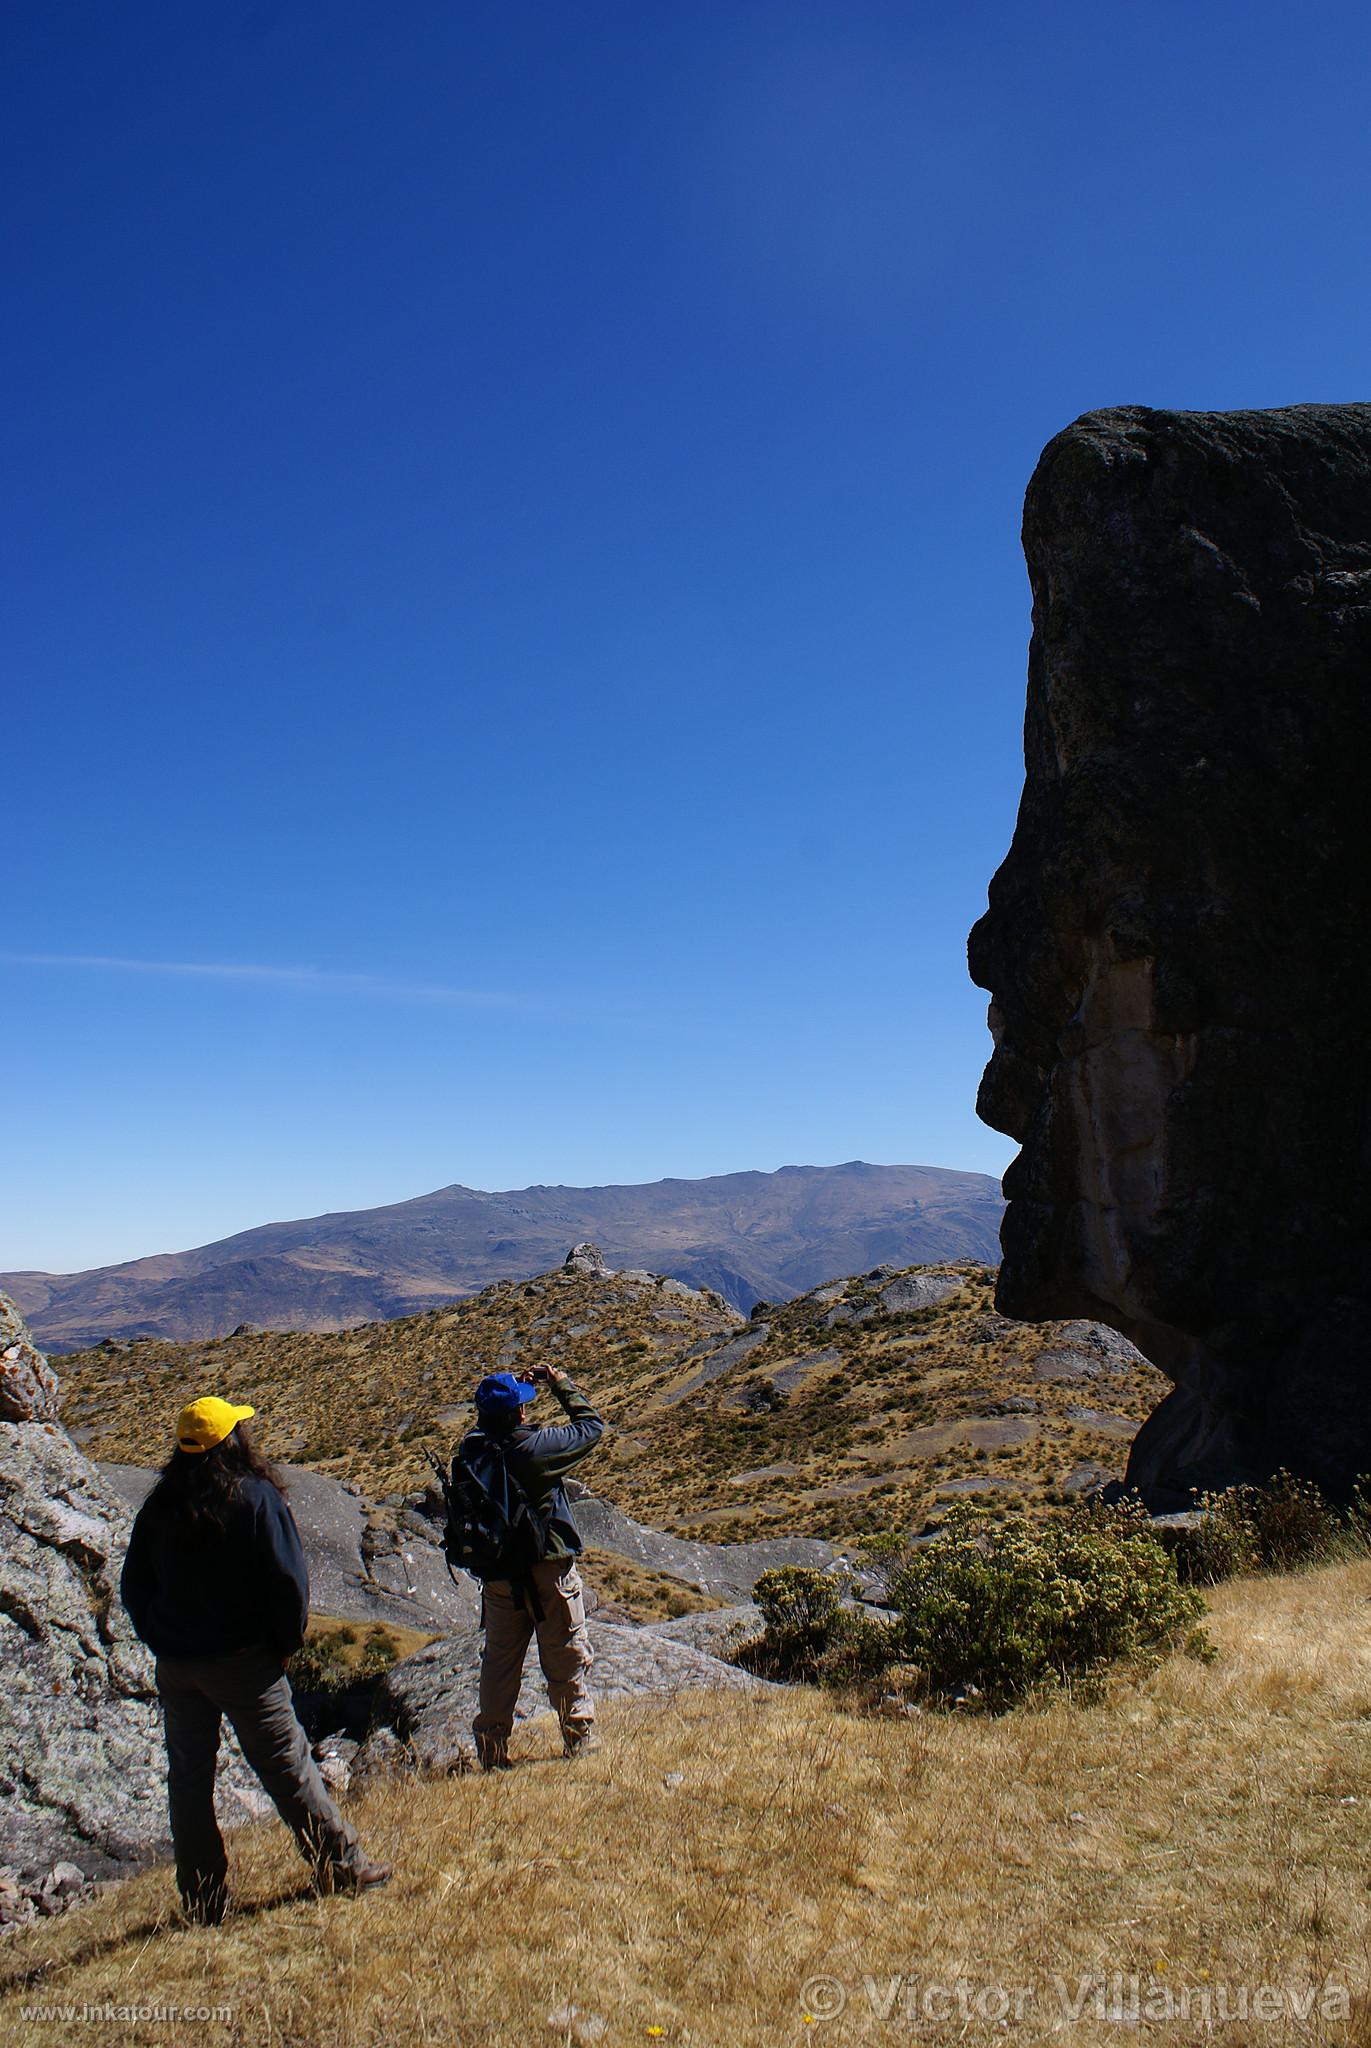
[(750, 1236)]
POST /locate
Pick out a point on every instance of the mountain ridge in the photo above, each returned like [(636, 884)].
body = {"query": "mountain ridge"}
[(748, 1236)]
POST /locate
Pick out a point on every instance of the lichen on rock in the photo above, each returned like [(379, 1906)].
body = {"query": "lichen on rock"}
[(82, 1766)]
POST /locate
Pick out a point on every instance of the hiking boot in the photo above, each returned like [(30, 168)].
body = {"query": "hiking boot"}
[(579, 1743), (353, 1878), (493, 1756)]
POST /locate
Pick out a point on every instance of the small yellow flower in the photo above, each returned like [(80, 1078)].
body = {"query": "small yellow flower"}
[(1160, 1965), (655, 2031)]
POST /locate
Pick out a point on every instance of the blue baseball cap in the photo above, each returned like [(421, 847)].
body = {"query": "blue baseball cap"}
[(501, 1392)]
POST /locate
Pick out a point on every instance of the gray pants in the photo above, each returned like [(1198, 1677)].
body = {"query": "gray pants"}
[(253, 1692), (563, 1650)]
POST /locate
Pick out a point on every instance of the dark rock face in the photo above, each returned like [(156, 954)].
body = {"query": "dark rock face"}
[(1175, 944)]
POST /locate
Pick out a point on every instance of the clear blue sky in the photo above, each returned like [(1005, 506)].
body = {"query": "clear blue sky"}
[(515, 621)]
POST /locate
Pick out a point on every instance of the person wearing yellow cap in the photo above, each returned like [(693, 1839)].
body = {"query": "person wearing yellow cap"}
[(215, 1584)]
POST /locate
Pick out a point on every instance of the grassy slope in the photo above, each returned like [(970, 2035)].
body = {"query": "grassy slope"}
[(363, 1403), (823, 1430), (1202, 1826), (872, 1424)]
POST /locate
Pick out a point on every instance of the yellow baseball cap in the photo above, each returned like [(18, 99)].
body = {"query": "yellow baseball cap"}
[(207, 1422)]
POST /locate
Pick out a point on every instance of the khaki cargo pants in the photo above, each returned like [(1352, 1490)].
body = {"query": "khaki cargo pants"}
[(563, 1651)]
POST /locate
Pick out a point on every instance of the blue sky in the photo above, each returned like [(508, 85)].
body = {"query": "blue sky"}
[(515, 621)]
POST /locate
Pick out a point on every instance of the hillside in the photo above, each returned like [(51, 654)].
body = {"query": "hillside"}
[(744, 1234), (860, 1405), (729, 1866)]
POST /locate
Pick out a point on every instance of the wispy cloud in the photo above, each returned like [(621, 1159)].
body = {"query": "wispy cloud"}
[(323, 980)]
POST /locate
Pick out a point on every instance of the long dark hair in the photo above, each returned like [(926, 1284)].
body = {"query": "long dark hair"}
[(198, 1490)]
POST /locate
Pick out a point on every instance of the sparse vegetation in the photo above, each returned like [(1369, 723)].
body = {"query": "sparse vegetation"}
[(339, 1654), (854, 1428), (1278, 1527), (620, 1588)]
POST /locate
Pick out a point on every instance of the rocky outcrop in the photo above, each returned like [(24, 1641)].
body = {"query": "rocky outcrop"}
[(586, 1258), (28, 1384), (362, 1566), (427, 1703), (82, 1769), (1175, 943), (727, 1571)]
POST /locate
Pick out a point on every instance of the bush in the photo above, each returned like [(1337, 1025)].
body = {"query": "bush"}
[(810, 1634), (992, 1612), (1220, 1546), (1270, 1528), (377, 1653), (332, 1660), (320, 1665)]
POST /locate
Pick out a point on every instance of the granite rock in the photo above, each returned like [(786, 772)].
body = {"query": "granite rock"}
[(82, 1766), (585, 1258), (1173, 944), (28, 1384), (425, 1705)]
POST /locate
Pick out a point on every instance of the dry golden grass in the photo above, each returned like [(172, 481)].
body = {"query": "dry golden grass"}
[(350, 1639), (1203, 1827), (408, 1383), (835, 1432), (622, 1589)]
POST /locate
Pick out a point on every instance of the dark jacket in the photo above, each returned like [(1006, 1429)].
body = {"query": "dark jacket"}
[(540, 1459), (249, 1589)]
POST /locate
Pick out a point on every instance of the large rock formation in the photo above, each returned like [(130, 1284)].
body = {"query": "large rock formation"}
[(428, 1702), (82, 1766), (1175, 944)]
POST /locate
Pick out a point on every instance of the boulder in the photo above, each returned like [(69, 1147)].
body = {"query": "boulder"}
[(360, 1569), (716, 1629), (586, 1258), (28, 1384), (1178, 986), (427, 1703), (82, 1765)]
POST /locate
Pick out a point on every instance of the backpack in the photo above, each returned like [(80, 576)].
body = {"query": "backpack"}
[(491, 1528)]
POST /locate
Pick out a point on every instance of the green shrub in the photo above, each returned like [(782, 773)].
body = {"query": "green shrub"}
[(320, 1665), (377, 1653), (341, 1656), (991, 1612), (809, 1633), (1271, 1528)]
